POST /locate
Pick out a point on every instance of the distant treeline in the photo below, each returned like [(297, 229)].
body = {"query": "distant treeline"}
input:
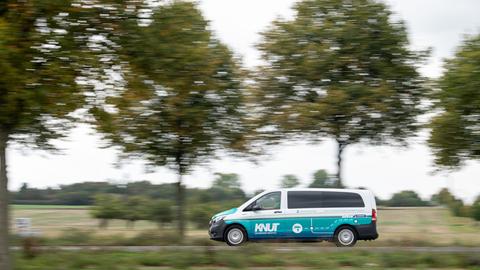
[(84, 193), (225, 187), (153, 201)]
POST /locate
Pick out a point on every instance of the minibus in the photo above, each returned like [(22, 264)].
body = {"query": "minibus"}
[(342, 216)]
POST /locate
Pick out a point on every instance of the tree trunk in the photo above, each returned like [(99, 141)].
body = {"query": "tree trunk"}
[(180, 206), (4, 217), (341, 147)]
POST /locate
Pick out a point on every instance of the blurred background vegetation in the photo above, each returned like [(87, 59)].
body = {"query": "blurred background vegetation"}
[(158, 85), (142, 213)]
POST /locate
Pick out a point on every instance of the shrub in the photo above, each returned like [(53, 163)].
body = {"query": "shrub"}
[(475, 211), (160, 211), (76, 237), (406, 198), (152, 238), (458, 209)]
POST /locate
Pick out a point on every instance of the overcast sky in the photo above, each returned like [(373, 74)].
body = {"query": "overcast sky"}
[(439, 24)]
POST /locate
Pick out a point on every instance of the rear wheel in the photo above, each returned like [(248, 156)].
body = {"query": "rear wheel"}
[(345, 237), (235, 235)]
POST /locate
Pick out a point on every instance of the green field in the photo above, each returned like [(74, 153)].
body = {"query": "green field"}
[(48, 207), (396, 226)]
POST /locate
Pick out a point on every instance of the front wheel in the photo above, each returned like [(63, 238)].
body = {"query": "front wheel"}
[(235, 236), (345, 237)]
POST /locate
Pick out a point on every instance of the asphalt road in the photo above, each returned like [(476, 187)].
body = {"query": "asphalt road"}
[(452, 249)]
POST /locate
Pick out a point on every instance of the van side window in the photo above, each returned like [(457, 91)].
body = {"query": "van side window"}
[(270, 201), (323, 199)]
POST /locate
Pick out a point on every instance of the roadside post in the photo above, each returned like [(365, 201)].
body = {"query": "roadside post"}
[(23, 228)]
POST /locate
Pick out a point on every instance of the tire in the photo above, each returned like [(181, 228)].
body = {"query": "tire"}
[(235, 235), (345, 236)]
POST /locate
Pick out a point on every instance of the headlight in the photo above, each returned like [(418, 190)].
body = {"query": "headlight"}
[(218, 219)]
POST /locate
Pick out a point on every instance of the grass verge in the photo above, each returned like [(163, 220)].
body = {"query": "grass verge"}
[(240, 258)]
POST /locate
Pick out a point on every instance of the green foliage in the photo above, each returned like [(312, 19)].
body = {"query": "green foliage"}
[(74, 236), (37, 86), (406, 198), (321, 179), (200, 215), (220, 194), (443, 197), (476, 209), (84, 193), (339, 70), (131, 209), (227, 181), (242, 258), (107, 207), (153, 237), (455, 137), (456, 206), (459, 209), (135, 208), (182, 99), (51, 63), (289, 181), (183, 94), (161, 211), (39, 64)]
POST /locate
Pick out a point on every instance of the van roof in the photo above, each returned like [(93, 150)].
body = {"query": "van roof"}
[(322, 189), (367, 195)]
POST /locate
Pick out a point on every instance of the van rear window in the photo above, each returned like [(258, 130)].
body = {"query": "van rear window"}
[(323, 199)]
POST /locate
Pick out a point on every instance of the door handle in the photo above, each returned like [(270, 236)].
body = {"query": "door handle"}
[(277, 212)]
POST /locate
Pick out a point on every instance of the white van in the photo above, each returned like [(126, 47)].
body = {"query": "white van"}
[(339, 215)]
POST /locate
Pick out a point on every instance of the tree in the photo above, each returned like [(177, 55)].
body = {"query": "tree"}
[(321, 179), (201, 214), (456, 206), (227, 181), (106, 207), (340, 69), (160, 211), (134, 208), (37, 85), (443, 197), (459, 209), (226, 187), (476, 209), (455, 137), (406, 198), (289, 181), (183, 95), (23, 188)]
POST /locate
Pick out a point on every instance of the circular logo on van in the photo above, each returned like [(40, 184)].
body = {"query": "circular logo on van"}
[(297, 228)]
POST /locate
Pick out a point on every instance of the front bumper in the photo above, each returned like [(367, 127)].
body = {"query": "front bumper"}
[(216, 230), (367, 231)]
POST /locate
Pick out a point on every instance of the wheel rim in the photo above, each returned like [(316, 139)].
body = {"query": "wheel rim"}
[(346, 237), (235, 236)]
